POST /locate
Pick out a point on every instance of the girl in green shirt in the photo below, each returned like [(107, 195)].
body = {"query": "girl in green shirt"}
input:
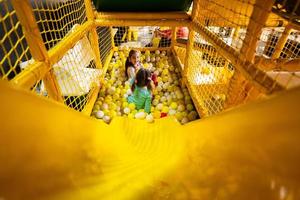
[(141, 87)]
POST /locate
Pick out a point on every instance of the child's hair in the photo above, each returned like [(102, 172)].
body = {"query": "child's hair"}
[(128, 63), (142, 79)]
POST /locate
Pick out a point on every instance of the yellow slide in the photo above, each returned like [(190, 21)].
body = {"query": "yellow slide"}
[(48, 151)]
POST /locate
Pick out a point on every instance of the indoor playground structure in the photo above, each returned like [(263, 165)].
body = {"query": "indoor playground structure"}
[(225, 116)]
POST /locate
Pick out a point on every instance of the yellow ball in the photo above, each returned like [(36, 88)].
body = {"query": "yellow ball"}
[(165, 109), (179, 116), (174, 105), (112, 113), (189, 107), (116, 96), (165, 79), (165, 72), (156, 114), (108, 99), (131, 116), (112, 106), (131, 106), (124, 104)]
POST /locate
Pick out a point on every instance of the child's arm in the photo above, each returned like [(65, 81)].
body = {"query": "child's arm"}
[(131, 72), (148, 104)]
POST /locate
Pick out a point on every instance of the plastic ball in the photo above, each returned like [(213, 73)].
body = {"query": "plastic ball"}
[(131, 106), (126, 110), (149, 118), (189, 107), (192, 115), (184, 120), (100, 114), (106, 118), (159, 106), (181, 108)]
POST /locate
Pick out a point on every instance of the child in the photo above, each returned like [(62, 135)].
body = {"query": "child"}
[(142, 86), (132, 64)]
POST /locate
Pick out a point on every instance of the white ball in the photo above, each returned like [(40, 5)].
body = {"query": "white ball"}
[(150, 66), (140, 115), (166, 85), (148, 59), (111, 90), (155, 102), (149, 118), (157, 52), (129, 92), (116, 53), (126, 110), (180, 108), (172, 112), (106, 119), (100, 114), (104, 106), (158, 88), (184, 120), (159, 106), (153, 59), (163, 99)]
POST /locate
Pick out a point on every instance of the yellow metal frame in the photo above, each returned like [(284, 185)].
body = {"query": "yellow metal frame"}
[(142, 16), (37, 48), (145, 22)]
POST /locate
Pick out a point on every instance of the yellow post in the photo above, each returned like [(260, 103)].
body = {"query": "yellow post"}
[(142, 15), (282, 40), (112, 37), (188, 55), (173, 36), (93, 33), (236, 33), (259, 17), (195, 9), (146, 22), (36, 46)]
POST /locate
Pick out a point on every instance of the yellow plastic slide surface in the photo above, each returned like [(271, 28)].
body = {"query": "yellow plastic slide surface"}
[(48, 151)]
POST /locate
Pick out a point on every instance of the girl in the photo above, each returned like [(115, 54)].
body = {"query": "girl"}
[(132, 64), (142, 86)]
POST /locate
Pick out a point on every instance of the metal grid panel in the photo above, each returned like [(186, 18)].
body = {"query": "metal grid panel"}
[(226, 19), (291, 48), (215, 83), (147, 36), (13, 46), (269, 40), (208, 76), (56, 18), (280, 70)]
